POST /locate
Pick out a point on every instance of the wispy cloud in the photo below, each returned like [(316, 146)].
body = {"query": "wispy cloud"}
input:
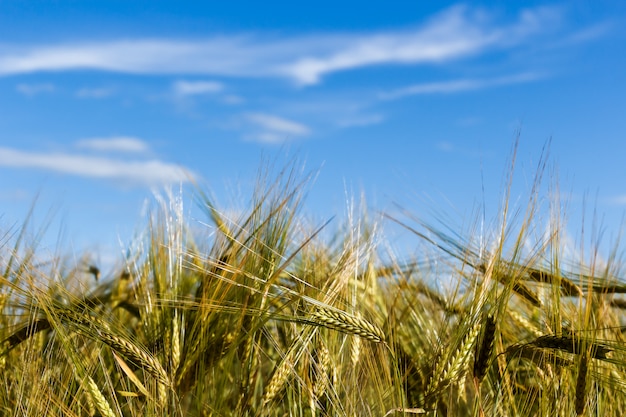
[(268, 128), (278, 124), (190, 88), (445, 146), (469, 121), (94, 92), (451, 148), (13, 195), (617, 200), (457, 86), (233, 99), (148, 172), (116, 143), (457, 32), (363, 120), (582, 35), (34, 89)]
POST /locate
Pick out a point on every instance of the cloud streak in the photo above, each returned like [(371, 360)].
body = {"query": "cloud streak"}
[(192, 88), (363, 120), (138, 172), (273, 129), (94, 92), (115, 144), (457, 86), (456, 33), (34, 89)]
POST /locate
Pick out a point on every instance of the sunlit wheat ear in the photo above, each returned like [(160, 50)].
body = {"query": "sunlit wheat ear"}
[(346, 323), (100, 402), (447, 372), (285, 369), (484, 348), (322, 371), (175, 343), (98, 330), (355, 351), (279, 378), (521, 320)]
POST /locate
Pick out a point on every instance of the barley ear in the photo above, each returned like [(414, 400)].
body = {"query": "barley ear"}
[(323, 365), (176, 342), (572, 344), (98, 399), (448, 371), (355, 351), (343, 322), (484, 349), (523, 321), (278, 380), (581, 385)]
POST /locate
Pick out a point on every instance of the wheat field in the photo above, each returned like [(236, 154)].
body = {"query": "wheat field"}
[(266, 313)]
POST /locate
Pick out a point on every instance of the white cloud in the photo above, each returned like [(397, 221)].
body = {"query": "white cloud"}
[(94, 92), (358, 121), (455, 33), (469, 121), (457, 86), (273, 129), (267, 137), (13, 195), (187, 88), (116, 143), (445, 146), (34, 89), (149, 172), (278, 124), (618, 200), (471, 152), (233, 99)]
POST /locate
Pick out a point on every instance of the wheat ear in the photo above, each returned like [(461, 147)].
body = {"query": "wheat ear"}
[(446, 372), (343, 322), (484, 349), (571, 344), (567, 287), (537, 355), (523, 321), (87, 326), (322, 380), (581, 385), (98, 398), (176, 342), (355, 351), (518, 287), (279, 378)]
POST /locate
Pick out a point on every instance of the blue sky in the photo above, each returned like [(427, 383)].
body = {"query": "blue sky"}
[(102, 103)]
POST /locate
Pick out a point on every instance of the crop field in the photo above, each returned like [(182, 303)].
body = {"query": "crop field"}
[(262, 313)]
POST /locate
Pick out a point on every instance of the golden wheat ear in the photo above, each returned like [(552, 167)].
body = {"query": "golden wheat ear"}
[(343, 322)]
